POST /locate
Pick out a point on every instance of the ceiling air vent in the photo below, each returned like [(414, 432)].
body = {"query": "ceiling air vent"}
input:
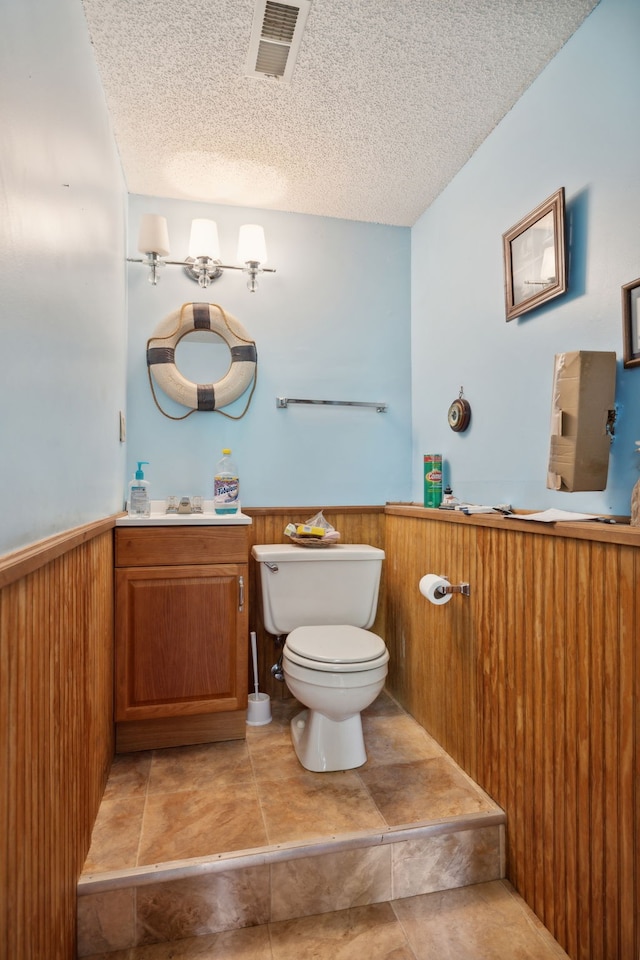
[(275, 38)]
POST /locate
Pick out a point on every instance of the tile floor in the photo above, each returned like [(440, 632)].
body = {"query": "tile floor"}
[(487, 921), (184, 802), (176, 804)]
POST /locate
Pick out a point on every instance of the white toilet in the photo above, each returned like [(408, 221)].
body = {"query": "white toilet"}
[(324, 600)]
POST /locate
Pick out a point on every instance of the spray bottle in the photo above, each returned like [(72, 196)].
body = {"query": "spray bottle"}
[(226, 486)]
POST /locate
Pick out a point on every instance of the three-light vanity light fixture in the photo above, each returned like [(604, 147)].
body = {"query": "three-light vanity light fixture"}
[(203, 262)]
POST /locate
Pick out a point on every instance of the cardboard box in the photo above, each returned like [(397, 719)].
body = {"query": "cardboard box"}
[(584, 388)]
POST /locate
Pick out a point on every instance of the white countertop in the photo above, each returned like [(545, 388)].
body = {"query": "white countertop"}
[(159, 518)]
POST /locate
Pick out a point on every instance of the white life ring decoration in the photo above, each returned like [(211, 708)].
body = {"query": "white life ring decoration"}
[(161, 357)]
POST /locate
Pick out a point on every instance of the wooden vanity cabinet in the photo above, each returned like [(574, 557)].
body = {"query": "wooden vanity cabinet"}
[(181, 635)]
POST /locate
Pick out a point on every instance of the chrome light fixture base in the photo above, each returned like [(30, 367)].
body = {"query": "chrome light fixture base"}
[(203, 269)]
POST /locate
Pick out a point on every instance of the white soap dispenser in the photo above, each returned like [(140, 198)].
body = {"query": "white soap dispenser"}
[(139, 504)]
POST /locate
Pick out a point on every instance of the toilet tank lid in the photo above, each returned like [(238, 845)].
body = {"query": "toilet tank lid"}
[(284, 552), (341, 643)]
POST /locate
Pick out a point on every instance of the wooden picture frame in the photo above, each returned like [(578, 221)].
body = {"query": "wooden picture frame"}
[(534, 258), (631, 323)]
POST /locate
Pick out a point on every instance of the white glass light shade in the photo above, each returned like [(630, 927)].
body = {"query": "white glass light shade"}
[(251, 244), (204, 239), (153, 236)]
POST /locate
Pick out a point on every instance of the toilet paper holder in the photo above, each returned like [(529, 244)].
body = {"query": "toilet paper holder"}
[(462, 588)]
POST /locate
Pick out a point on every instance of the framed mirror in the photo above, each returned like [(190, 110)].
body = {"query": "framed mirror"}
[(630, 324), (534, 258)]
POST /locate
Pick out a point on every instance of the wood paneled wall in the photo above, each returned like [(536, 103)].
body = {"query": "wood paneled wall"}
[(532, 685), (356, 525), (56, 732)]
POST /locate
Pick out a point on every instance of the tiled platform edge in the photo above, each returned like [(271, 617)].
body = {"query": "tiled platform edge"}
[(188, 898)]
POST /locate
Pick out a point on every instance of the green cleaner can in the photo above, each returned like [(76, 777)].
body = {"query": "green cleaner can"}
[(432, 479)]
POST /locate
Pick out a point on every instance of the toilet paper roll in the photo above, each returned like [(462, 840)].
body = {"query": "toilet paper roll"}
[(429, 587)]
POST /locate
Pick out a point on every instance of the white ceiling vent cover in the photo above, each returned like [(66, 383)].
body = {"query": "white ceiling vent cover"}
[(276, 34)]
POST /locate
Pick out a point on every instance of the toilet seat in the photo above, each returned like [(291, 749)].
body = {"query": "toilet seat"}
[(335, 648)]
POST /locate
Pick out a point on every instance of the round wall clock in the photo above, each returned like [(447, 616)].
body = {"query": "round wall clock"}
[(459, 414)]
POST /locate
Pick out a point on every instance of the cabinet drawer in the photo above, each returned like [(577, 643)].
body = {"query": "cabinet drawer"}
[(146, 546)]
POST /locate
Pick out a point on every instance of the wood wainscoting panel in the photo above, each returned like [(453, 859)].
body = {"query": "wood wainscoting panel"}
[(56, 737), (532, 685), (561, 776), (622, 658), (432, 666), (356, 525)]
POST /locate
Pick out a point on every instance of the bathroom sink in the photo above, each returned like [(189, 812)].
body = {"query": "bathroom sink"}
[(159, 518)]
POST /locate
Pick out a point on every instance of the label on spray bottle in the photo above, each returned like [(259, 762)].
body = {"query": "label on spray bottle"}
[(432, 479), (225, 494), (226, 486)]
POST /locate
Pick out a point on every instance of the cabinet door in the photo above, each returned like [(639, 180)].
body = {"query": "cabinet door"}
[(181, 640)]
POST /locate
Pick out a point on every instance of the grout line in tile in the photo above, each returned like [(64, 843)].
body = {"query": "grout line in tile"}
[(371, 797), (269, 932), (144, 808), (261, 809), (402, 927), (260, 805)]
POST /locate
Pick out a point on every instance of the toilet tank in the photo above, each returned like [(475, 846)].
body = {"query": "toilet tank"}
[(337, 584)]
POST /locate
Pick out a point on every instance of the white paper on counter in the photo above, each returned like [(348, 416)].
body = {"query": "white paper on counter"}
[(552, 516)]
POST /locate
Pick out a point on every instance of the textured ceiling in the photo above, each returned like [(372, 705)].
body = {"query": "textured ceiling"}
[(388, 99)]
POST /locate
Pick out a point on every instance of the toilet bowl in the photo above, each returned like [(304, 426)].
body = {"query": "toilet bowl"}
[(324, 601), (335, 671)]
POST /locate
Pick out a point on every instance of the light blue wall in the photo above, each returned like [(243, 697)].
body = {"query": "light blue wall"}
[(62, 292), (333, 324), (575, 127)]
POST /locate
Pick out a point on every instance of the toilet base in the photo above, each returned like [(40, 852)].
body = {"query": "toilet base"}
[(323, 745)]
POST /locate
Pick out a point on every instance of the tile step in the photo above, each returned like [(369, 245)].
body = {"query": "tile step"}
[(204, 895)]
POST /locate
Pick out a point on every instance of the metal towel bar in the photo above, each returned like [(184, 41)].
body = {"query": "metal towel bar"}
[(285, 401)]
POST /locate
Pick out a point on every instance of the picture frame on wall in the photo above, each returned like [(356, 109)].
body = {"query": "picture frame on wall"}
[(631, 323), (534, 257)]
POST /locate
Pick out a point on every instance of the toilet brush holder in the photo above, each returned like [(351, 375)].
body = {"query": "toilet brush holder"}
[(259, 705), (258, 710)]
